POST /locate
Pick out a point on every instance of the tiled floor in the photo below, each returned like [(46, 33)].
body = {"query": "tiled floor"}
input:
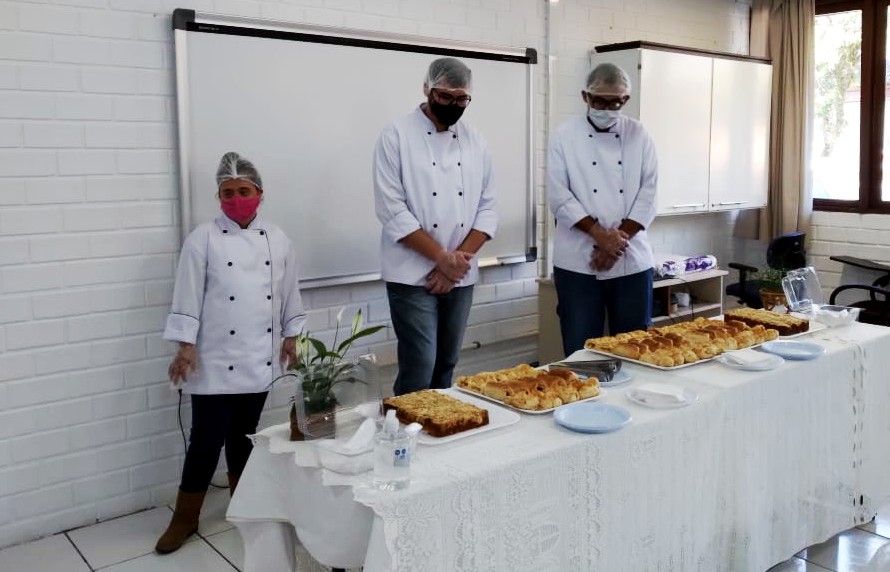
[(127, 545)]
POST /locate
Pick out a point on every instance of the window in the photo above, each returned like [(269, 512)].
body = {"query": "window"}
[(851, 88)]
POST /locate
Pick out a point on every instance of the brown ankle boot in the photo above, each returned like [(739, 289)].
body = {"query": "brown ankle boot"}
[(183, 524), (233, 482)]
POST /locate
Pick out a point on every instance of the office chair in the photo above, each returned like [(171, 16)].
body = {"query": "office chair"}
[(875, 309), (784, 252)]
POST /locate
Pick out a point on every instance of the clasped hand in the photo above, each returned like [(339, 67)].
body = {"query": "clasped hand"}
[(611, 243), (451, 267)]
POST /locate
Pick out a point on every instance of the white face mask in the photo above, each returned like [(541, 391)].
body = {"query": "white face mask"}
[(603, 118)]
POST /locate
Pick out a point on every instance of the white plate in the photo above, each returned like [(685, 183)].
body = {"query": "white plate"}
[(620, 378), (497, 417), (769, 361), (591, 417), (529, 411), (793, 350), (689, 397)]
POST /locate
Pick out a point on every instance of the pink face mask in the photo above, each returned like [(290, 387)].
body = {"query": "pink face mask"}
[(241, 209)]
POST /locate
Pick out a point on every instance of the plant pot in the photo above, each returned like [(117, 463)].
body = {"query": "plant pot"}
[(316, 425), (772, 298)]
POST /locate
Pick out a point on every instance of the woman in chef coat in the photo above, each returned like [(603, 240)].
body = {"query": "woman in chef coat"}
[(602, 177), (236, 309)]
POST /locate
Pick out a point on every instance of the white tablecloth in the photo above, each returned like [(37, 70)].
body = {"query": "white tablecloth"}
[(761, 466)]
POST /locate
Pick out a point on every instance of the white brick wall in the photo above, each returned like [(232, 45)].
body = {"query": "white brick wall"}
[(88, 235), (847, 234)]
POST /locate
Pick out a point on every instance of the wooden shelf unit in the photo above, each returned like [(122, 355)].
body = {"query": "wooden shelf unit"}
[(705, 289)]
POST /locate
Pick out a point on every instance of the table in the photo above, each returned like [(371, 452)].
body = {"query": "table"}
[(761, 466)]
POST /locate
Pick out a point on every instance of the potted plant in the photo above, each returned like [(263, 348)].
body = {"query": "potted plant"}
[(318, 371), (771, 292)]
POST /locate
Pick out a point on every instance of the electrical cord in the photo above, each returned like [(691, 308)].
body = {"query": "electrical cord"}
[(185, 447)]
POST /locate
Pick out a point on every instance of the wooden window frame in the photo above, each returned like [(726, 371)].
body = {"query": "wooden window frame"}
[(874, 42)]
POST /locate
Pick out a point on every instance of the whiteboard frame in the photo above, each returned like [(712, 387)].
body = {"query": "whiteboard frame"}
[(186, 21)]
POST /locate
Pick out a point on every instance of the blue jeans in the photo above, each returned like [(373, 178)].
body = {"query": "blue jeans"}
[(582, 303), (430, 331)]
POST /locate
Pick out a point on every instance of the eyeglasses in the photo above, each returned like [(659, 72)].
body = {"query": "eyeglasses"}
[(446, 98), (229, 193), (612, 103)]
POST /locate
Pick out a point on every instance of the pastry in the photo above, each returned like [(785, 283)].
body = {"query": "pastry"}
[(441, 415), (784, 324)]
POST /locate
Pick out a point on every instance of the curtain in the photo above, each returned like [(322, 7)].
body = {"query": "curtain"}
[(783, 31)]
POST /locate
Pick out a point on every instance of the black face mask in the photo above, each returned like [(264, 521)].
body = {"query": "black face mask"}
[(446, 114)]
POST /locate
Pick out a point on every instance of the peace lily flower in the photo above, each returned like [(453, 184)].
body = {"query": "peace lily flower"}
[(322, 367)]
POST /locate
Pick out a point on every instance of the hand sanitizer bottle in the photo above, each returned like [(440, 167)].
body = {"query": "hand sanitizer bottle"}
[(392, 455)]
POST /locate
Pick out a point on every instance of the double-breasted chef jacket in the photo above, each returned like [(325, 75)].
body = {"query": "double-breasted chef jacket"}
[(609, 176), (440, 182), (237, 293)]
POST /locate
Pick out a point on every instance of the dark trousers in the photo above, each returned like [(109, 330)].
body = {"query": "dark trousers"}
[(219, 420), (582, 303), (430, 331)]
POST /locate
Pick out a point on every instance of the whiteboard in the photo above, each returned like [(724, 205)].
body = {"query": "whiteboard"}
[(307, 104)]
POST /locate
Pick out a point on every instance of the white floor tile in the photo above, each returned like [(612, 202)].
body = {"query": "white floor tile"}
[(881, 524), (797, 565), (51, 554), (123, 538), (193, 557), (213, 513), (854, 550), (229, 544)]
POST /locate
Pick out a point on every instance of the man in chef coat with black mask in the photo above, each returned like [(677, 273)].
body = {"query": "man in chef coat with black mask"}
[(435, 197), (602, 174)]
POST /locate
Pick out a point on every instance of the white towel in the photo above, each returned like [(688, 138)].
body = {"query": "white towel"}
[(746, 357), (660, 392), (349, 457)]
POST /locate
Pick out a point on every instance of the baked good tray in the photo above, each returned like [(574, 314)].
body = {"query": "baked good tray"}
[(528, 411), (814, 327), (497, 417)]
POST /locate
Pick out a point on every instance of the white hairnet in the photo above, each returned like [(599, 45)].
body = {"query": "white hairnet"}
[(449, 73), (234, 166), (605, 76)]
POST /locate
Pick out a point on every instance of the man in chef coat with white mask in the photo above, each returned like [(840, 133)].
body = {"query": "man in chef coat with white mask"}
[(435, 197), (602, 174), (236, 309)]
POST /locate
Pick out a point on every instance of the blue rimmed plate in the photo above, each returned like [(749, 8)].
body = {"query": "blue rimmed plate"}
[(590, 417), (793, 350)]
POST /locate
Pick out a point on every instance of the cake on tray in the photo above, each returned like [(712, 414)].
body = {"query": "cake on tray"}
[(441, 415)]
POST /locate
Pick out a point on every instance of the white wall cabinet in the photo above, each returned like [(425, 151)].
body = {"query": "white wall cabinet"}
[(708, 115)]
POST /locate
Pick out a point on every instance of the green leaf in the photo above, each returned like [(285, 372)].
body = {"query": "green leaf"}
[(364, 333), (357, 321), (320, 349)]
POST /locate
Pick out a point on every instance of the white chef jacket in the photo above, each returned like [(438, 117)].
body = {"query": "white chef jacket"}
[(438, 181), (237, 293), (608, 176)]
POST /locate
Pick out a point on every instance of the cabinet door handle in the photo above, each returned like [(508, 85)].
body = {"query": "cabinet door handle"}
[(690, 205), (727, 203)]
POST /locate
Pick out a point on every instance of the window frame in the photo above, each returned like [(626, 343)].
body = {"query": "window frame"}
[(874, 44)]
